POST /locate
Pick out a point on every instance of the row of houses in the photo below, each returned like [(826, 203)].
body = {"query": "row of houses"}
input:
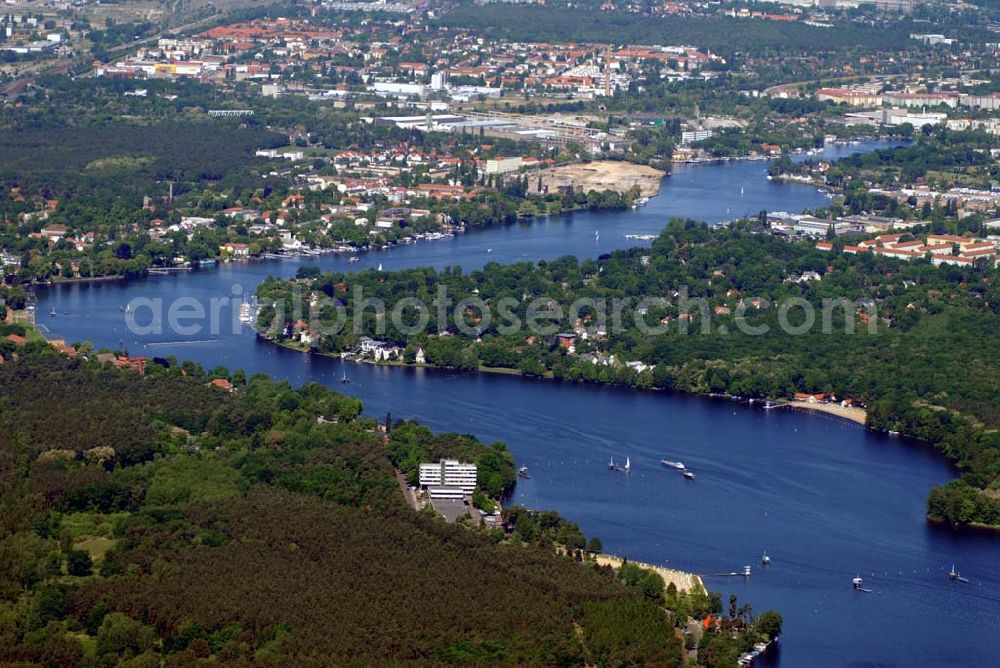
[(965, 200), (940, 248), (870, 96)]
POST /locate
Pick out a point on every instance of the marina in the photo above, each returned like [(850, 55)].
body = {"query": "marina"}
[(248, 311)]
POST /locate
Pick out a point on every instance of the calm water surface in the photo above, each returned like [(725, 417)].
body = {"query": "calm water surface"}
[(827, 500)]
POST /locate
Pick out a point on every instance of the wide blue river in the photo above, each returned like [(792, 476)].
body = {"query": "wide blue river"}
[(827, 500)]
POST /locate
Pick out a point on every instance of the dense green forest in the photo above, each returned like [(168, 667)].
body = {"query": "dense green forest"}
[(112, 160), (722, 35), (918, 344), (155, 520)]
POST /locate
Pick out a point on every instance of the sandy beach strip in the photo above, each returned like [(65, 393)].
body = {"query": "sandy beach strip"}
[(858, 415), (683, 581)]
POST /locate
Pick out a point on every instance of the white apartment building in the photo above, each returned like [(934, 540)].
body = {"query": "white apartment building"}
[(448, 477)]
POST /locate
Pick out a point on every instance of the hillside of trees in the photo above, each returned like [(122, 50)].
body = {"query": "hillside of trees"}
[(155, 520), (918, 345), (721, 35), (110, 160)]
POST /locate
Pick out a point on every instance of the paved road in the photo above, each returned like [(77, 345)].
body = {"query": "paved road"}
[(411, 498)]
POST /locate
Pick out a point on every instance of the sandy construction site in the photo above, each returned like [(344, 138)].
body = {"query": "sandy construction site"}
[(603, 175)]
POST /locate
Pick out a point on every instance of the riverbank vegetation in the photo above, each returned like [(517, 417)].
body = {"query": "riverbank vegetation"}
[(916, 344), (158, 518), (936, 160)]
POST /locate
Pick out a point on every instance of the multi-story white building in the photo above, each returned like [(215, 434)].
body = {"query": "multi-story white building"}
[(504, 165), (691, 136), (448, 477)]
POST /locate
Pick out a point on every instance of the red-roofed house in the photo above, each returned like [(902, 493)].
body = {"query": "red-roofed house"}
[(222, 384)]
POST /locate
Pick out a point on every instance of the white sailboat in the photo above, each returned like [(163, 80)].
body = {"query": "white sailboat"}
[(380, 266), (597, 235), (628, 466)]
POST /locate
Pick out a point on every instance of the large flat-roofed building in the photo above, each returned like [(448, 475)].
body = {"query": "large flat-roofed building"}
[(851, 96), (988, 102), (448, 477)]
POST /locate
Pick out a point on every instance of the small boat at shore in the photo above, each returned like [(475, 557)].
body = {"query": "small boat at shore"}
[(672, 464), (523, 472)]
